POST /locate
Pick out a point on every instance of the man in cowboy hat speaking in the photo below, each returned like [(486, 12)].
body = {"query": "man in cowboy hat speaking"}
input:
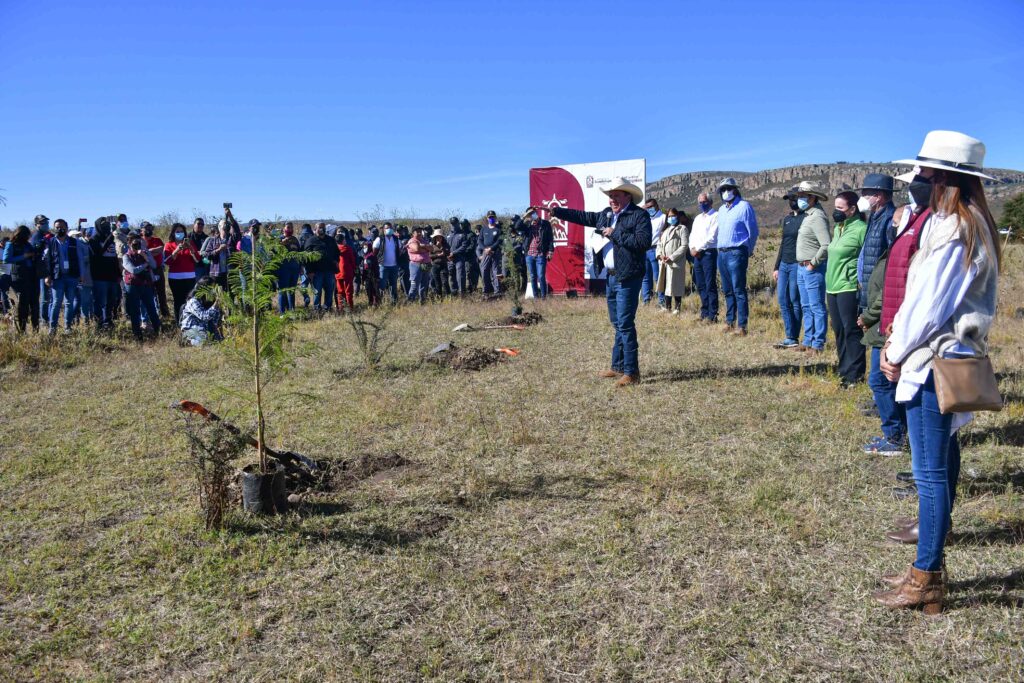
[(628, 227)]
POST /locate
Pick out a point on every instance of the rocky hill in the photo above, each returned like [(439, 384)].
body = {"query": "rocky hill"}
[(764, 189)]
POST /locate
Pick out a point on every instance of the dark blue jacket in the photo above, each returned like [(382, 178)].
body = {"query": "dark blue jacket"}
[(877, 240), (490, 238), (458, 242), (547, 237), (52, 258), (631, 239)]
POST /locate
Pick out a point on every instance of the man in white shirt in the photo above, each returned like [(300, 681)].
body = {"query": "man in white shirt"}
[(651, 275), (704, 250)]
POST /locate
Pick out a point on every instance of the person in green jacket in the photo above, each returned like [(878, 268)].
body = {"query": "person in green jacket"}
[(841, 287)]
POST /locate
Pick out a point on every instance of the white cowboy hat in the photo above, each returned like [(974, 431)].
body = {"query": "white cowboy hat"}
[(810, 187), (949, 151), (437, 233), (625, 186)]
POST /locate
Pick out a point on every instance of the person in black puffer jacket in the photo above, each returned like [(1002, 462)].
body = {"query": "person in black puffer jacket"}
[(876, 199), (628, 228), (322, 271)]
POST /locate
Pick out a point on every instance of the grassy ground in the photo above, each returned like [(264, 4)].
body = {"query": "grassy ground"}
[(718, 522)]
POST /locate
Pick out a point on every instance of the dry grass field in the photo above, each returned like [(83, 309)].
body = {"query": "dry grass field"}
[(524, 522)]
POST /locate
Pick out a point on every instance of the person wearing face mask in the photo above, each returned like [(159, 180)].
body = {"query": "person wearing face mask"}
[(653, 261), (947, 310), (812, 242), (216, 251), (322, 271), (181, 259), (139, 270), (21, 256), (786, 271), (540, 248), (458, 263), (386, 248), (344, 279), (198, 237), (472, 238), (40, 238), (63, 274), (488, 253), (628, 228), (673, 246), (156, 248), (737, 238), (841, 287), (288, 271), (876, 203), (704, 251)]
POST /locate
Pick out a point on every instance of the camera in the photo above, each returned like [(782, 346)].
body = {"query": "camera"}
[(228, 205)]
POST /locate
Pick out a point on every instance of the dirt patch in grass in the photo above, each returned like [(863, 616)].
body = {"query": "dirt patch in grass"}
[(528, 318), (465, 358), (345, 474)]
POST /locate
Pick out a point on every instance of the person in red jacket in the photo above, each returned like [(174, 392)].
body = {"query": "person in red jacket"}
[(180, 258), (346, 270)]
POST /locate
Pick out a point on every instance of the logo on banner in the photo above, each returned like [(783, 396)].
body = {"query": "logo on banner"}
[(590, 181), (559, 228)]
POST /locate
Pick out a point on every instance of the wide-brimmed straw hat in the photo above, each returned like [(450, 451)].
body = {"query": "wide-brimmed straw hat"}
[(812, 188), (623, 185), (949, 151)]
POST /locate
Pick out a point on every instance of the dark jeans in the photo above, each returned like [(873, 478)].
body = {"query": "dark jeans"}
[(137, 298), (180, 290), (5, 285), (323, 289), (623, 299), (732, 264), (64, 291), (705, 275), (650, 282), (104, 300), (287, 279), (789, 300), (439, 280), (892, 414), (935, 461), (842, 310), (536, 268), (161, 294), (458, 273), (389, 280), (28, 303), (490, 269)]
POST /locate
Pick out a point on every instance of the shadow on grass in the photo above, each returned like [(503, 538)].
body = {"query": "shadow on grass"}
[(383, 371), (989, 590), (680, 375), (996, 482), (997, 535), (540, 487), (1009, 434), (371, 537)]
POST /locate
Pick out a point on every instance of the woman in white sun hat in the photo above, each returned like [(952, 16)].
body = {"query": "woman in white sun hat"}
[(947, 309)]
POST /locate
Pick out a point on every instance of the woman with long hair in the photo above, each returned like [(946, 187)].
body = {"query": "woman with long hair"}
[(181, 258), (946, 312), (842, 290), (21, 257)]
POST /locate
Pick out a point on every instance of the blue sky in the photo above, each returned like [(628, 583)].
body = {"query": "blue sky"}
[(316, 108)]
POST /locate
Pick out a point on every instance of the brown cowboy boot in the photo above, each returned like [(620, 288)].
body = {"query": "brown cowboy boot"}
[(628, 380), (896, 579), (920, 590), (609, 374), (908, 535)]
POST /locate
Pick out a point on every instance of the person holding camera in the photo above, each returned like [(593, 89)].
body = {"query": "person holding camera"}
[(539, 243), (181, 258), (139, 274), (201, 317)]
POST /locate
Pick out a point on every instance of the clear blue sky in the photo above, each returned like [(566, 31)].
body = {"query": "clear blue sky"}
[(317, 108)]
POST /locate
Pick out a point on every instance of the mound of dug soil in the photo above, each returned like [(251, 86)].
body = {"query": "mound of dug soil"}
[(464, 358), (529, 318)]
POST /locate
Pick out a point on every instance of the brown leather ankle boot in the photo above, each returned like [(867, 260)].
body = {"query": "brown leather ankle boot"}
[(921, 590), (896, 579), (907, 534)]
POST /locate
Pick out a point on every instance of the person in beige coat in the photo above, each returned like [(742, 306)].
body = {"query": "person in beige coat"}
[(673, 246)]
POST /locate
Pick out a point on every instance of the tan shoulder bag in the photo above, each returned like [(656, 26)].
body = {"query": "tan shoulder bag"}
[(966, 385)]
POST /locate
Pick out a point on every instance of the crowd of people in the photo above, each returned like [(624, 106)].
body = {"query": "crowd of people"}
[(902, 285)]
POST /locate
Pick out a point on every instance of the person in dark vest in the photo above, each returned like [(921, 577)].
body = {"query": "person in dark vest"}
[(488, 252), (786, 272), (628, 228), (875, 202), (63, 274)]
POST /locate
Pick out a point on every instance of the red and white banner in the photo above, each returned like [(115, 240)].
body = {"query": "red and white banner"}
[(577, 186)]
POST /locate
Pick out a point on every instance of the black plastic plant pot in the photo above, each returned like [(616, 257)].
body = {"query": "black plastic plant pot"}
[(264, 494)]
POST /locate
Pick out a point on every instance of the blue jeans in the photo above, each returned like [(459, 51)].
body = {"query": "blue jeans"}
[(623, 299), (104, 298), (935, 461), (63, 291), (812, 301), (287, 279), (892, 414), (650, 282), (732, 264), (705, 276), (418, 281), (82, 304), (789, 299), (137, 298), (323, 290), (536, 270), (389, 281)]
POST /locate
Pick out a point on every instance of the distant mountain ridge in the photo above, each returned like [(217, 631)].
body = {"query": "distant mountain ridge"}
[(764, 189)]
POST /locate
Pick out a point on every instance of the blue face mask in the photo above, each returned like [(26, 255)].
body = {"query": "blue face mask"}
[(672, 220), (490, 221), (803, 203), (389, 231), (705, 206), (652, 211)]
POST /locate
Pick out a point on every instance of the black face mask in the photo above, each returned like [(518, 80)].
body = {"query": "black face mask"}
[(921, 191), (838, 216), (793, 206), (62, 232)]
